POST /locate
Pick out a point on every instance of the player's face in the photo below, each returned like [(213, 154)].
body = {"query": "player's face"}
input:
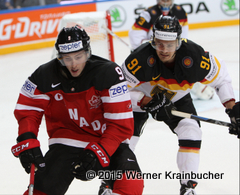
[(165, 49), (75, 62), (165, 3)]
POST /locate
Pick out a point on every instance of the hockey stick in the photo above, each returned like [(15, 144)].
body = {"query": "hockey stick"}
[(31, 185), (208, 120), (114, 35)]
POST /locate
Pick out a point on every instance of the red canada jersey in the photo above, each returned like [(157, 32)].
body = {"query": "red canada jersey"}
[(95, 106)]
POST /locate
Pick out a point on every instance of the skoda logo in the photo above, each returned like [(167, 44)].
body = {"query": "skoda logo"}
[(118, 16), (230, 7)]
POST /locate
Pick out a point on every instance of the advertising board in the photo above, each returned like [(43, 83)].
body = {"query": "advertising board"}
[(200, 13), (34, 28), (37, 27)]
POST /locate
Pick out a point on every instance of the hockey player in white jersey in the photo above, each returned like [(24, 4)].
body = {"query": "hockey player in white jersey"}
[(160, 76), (141, 32)]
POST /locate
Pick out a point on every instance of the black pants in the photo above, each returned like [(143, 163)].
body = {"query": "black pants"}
[(59, 159), (185, 104)]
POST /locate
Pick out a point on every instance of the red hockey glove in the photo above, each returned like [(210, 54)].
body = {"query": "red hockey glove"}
[(235, 119), (28, 150), (159, 107), (94, 158)]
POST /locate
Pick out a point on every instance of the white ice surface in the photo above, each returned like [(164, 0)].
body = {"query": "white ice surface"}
[(157, 148)]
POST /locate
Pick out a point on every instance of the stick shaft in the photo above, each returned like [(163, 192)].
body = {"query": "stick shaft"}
[(208, 120), (31, 185), (114, 35)]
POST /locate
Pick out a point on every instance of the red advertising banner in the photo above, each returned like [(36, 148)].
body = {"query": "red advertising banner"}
[(35, 24)]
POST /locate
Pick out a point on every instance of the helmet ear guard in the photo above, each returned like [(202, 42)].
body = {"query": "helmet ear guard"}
[(167, 28)]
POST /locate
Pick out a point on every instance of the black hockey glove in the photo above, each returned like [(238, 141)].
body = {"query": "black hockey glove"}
[(28, 150), (94, 159), (159, 107), (235, 119)]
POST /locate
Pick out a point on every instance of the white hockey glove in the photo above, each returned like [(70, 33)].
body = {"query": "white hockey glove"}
[(202, 91)]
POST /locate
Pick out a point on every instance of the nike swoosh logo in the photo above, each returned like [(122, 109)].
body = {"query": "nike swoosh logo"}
[(154, 78), (130, 160), (53, 86)]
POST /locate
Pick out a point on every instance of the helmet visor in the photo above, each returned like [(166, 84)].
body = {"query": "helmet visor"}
[(165, 46), (70, 59)]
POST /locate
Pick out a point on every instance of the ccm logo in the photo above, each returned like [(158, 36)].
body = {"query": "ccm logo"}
[(100, 153), (119, 90), (19, 148)]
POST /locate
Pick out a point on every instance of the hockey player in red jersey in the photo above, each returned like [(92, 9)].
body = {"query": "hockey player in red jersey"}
[(160, 76), (89, 119)]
